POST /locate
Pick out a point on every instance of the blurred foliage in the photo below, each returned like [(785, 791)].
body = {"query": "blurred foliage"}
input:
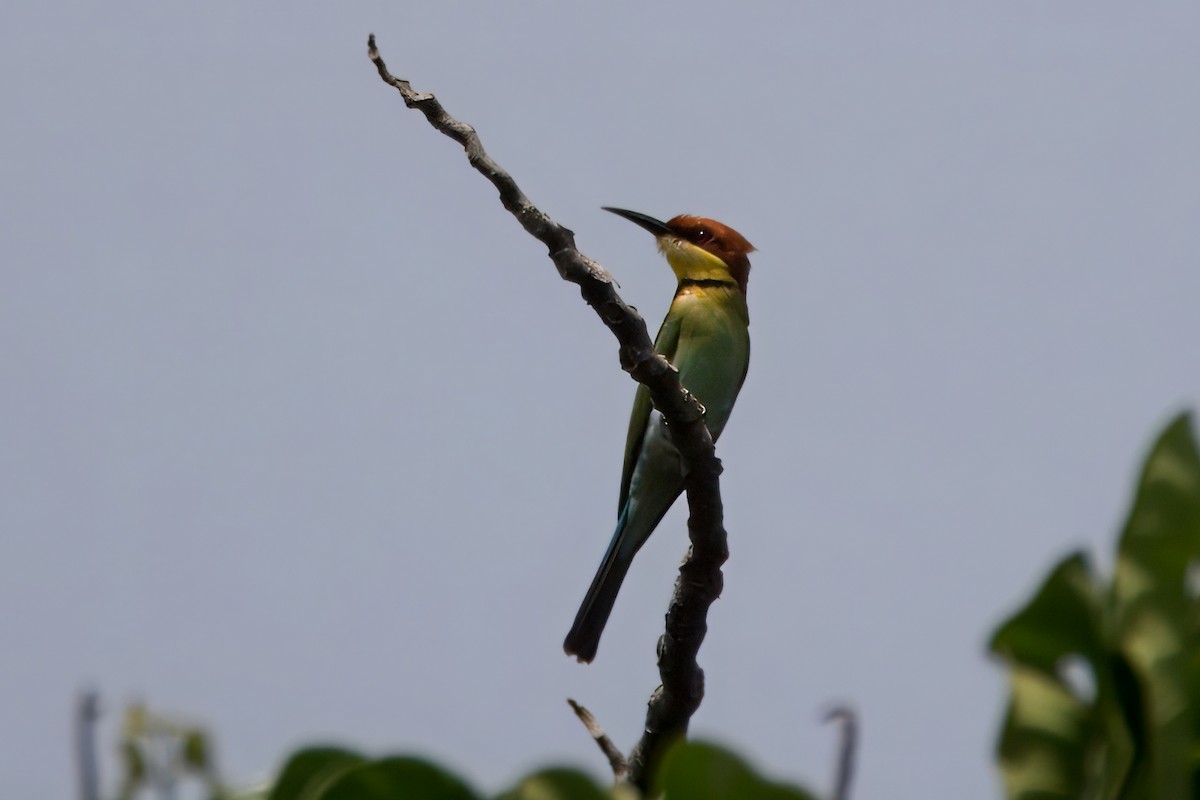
[(158, 753), (1105, 675), (691, 771), (699, 771)]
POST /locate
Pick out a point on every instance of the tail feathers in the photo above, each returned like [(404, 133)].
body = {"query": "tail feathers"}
[(584, 638)]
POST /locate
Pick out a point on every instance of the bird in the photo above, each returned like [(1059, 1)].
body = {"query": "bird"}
[(705, 335)]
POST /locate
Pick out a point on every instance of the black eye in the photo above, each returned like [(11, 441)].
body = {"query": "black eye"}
[(702, 235)]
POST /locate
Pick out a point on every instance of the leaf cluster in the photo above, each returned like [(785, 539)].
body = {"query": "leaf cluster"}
[(1105, 674), (691, 770)]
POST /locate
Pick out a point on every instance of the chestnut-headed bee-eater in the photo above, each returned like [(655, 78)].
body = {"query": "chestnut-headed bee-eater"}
[(705, 336)]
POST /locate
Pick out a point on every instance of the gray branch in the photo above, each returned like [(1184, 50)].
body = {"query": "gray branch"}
[(673, 703)]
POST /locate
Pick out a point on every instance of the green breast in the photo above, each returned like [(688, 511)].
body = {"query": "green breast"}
[(713, 349)]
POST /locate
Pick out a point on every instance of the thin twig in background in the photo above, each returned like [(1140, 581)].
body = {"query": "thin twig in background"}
[(616, 759), (673, 703), (87, 711), (847, 748)]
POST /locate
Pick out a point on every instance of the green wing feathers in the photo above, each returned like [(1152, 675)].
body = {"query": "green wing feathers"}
[(665, 343), (705, 337)]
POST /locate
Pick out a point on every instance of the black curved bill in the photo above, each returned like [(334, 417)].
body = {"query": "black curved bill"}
[(649, 223)]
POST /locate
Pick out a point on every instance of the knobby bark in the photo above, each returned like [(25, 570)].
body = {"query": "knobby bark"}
[(699, 583)]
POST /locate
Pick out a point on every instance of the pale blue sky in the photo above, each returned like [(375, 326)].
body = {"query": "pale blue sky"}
[(301, 434)]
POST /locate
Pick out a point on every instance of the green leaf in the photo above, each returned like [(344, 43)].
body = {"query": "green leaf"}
[(1059, 740), (1136, 733), (556, 784), (195, 750), (308, 771), (133, 773), (396, 778), (1156, 613), (135, 764), (1046, 738), (701, 771), (1064, 618)]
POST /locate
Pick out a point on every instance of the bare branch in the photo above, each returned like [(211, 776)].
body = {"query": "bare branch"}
[(616, 759), (699, 583), (847, 749), (673, 703)]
